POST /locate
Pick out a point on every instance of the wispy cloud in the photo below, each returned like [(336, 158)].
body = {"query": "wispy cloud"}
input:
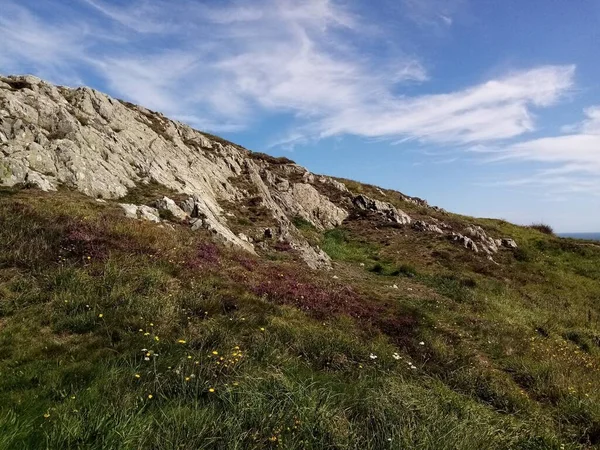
[(227, 63), (432, 13), (571, 161)]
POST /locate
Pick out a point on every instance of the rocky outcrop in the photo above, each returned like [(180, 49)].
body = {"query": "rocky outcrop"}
[(53, 136), (140, 212), (384, 209), (421, 225), (465, 241), (303, 200), (169, 206)]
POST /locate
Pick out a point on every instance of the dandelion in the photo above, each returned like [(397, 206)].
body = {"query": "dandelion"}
[(396, 356), (373, 356), (150, 396), (211, 390), (137, 375), (181, 341), (101, 315), (214, 352)]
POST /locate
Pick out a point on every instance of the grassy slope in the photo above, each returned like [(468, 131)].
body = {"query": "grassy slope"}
[(247, 353)]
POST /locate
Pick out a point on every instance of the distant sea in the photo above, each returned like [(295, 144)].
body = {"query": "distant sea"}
[(591, 236)]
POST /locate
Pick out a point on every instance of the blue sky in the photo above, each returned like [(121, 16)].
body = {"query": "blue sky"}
[(484, 107)]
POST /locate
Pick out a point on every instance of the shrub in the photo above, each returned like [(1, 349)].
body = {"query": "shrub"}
[(542, 228)]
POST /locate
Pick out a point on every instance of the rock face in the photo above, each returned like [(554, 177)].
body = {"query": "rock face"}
[(52, 136), (387, 210)]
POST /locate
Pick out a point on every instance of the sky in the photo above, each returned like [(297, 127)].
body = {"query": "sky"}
[(489, 108)]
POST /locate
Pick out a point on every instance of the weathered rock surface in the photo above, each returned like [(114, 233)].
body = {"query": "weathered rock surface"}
[(140, 212), (387, 210), (52, 136), (169, 205)]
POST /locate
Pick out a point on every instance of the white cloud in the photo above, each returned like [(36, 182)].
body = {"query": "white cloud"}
[(50, 49), (571, 162), (231, 62), (432, 13), (498, 109)]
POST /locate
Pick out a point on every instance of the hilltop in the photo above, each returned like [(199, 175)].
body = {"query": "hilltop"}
[(161, 287)]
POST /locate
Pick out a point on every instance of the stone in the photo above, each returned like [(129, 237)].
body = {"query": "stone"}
[(421, 225), (130, 210), (40, 181), (464, 240), (140, 212), (303, 200), (148, 213), (167, 204), (487, 244), (387, 210), (509, 243)]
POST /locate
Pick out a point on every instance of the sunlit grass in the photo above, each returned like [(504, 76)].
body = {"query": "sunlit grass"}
[(120, 334)]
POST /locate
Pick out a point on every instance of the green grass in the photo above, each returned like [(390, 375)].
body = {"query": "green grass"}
[(504, 356)]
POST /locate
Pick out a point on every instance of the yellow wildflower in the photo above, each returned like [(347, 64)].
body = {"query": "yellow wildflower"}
[(211, 390), (150, 396), (137, 375), (101, 315), (181, 341)]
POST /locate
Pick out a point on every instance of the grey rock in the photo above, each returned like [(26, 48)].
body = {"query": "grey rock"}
[(130, 210), (487, 244), (148, 213), (421, 225), (387, 210), (509, 243), (167, 204), (464, 240)]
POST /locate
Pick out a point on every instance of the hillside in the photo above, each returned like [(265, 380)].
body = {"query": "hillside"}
[(163, 288)]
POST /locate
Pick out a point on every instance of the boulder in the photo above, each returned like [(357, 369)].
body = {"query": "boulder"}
[(421, 225), (384, 209), (464, 241), (509, 243), (167, 204)]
